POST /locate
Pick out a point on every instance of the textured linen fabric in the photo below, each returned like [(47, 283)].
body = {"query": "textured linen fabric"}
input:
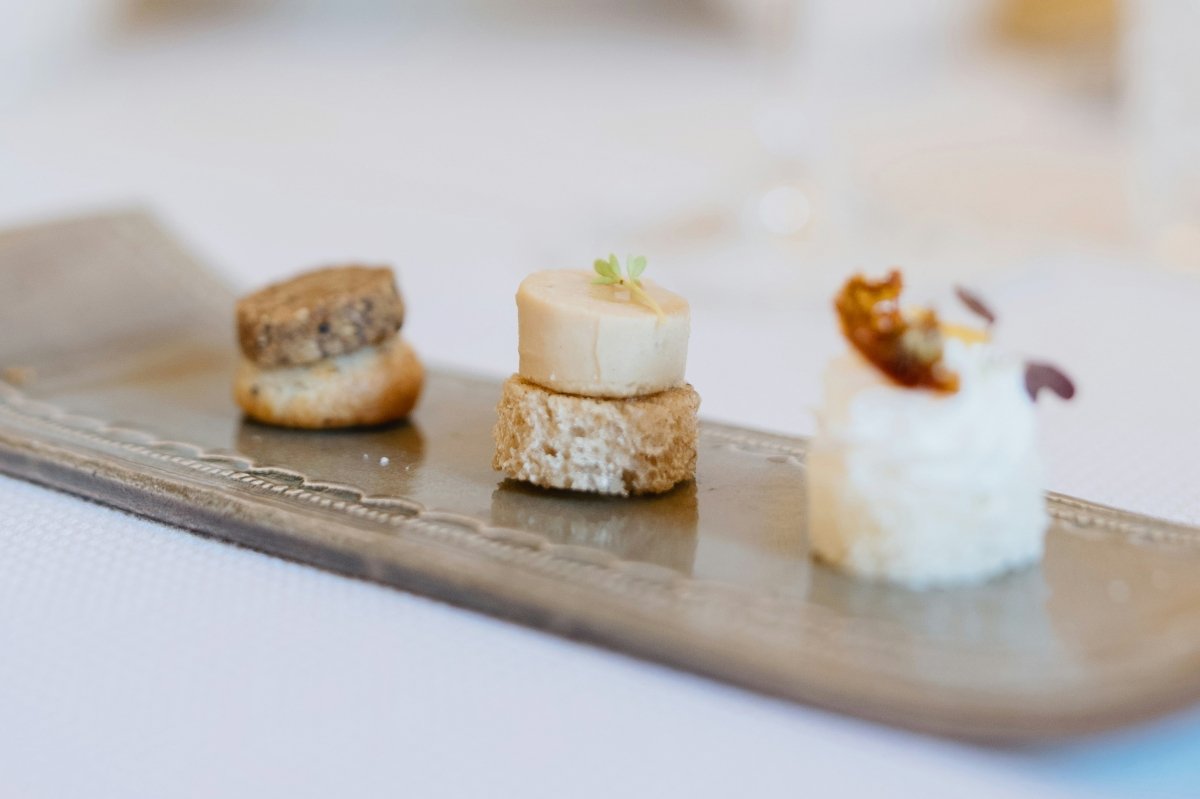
[(139, 660)]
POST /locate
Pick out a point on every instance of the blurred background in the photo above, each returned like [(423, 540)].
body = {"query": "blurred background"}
[(1046, 152)]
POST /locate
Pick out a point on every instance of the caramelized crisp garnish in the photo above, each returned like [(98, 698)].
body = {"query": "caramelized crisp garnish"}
[(906, 346), (967, 335)]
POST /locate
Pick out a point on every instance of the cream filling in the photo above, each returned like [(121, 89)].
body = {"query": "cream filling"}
[(927, 488), (580, 338)]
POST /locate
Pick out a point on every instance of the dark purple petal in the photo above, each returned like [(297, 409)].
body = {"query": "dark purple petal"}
[(977, 306), (1043, 375)]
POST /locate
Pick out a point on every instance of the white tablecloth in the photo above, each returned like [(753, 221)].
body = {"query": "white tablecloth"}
[(139, 660)]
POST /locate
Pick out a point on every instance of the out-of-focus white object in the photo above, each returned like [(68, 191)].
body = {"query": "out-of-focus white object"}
[(785, 210), (36, 38), (831, 63), (1162, 95)]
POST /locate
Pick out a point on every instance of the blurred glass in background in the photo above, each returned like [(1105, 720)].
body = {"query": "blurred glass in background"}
[(867, 132), (1162, 91)]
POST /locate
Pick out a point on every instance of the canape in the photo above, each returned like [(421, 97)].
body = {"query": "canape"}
[(323, 350), (599, 403), (925, 468)]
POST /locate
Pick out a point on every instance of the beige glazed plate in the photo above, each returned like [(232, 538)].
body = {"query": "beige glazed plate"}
[(118, 351)]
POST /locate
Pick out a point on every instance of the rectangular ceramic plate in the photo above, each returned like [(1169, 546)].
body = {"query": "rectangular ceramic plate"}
[(120, 349)]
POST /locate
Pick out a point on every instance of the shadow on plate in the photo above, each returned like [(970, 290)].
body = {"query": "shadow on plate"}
[(380, 460), (659, 529)]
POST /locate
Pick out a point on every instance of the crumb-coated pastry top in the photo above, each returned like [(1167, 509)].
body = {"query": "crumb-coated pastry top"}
[(319, 314)]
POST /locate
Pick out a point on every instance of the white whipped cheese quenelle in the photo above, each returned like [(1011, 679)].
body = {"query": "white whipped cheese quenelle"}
[(581, 338), (926, 488)]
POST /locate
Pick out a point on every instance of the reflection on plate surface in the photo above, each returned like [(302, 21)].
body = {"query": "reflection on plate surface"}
[(659, 529)]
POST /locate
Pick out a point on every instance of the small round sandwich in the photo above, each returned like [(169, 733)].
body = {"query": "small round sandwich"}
[(599, 403), (323, 350), (925, 469)]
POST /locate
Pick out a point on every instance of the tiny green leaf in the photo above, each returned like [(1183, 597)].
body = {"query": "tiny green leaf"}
[(609, 274)]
